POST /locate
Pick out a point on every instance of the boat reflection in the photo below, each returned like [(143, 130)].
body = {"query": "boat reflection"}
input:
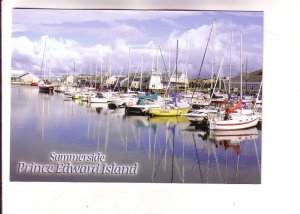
[(117, 112), (138, 121), (233, 136), (242, 143), (168, 120), (166, 148), (98, 107)]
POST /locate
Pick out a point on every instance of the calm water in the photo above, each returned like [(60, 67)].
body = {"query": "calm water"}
[(166, 150)]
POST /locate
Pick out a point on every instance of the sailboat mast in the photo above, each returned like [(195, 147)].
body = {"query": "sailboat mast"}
[(110, 63), (187, 61), (241, 64), (96, 68), (90, 72), (128, 67), (152, 66), (246, 76), (229, 86), (203, 58), (101, 66), (169, 70), (176, 65), (43, 60), (141, 78), (212, 54), (74, 72), (49, 68), (157, 50), (220, 68), (257, 96)]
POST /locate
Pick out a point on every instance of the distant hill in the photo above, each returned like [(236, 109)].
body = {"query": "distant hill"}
[(254, 76)]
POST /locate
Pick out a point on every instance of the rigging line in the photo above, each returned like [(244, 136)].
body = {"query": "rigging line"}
[(169, 83), (119, 77), (220, 68), (203, 57), (43, 59), (198, 159), (163, 59), (256, 152), (173, 157)]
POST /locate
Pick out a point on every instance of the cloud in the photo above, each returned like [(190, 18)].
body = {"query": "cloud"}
[(87, 45), (32, 19), (29, 54)]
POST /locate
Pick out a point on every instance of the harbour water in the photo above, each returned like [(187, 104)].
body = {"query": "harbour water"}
[(158, 149)]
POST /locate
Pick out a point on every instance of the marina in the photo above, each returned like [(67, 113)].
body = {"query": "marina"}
[(172, 106), (165, 149), (149, 107)]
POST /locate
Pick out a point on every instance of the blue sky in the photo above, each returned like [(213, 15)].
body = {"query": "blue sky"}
[(94, 38)]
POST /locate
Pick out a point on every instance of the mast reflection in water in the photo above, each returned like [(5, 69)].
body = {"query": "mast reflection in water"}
[(166, 149)]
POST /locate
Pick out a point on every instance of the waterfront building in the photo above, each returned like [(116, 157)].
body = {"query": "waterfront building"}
[(115, 79), (180, 81), (28, 78), (136, 82), (70, 79), (251, 82), (155, 81)]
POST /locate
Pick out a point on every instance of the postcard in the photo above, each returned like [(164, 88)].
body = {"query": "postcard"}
[(150, 96), (154, 101)]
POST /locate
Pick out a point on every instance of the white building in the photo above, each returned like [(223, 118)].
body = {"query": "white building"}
[(136, 83), (113, 79), (155, 82), (70, 79), (180, 80), (29, 78)]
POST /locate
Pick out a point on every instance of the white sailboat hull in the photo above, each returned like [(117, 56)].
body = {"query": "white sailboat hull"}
[(236, 123)]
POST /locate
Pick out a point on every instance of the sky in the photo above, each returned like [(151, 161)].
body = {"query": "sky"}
[(56, 42)]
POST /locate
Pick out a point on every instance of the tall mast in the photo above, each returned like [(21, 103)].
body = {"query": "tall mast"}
[(101, 77), (212, 54), (176, 64), (96, 68), (90, 72), (74, 68), (74, 73), (49, 67), (110, 63), (169, 60), (241, 65), (128, 67), (157, 50), (43, 71), (107, 69), (203, 57), (220, 68), (230, 62), (246, 76), (187, 61), (141, 78), (152, 68)]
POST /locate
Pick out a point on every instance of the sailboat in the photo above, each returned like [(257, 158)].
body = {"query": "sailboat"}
[(177, 106), (45, 86), (234, 121), (144, 103)]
